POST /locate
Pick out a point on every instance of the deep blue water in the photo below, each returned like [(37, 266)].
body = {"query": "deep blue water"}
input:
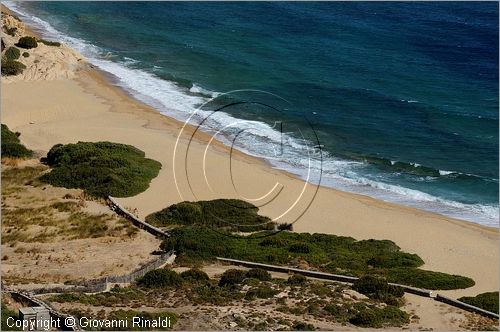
[(402, 96)]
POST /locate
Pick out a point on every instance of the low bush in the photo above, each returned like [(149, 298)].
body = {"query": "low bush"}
[(160, 278), (12, 53), (101, 168), (195, 275), (11, 31), (12, 67), (11, 146), (232, 277), (196, 244), (379, 289), (26, 54), (487, 301), (378, 317), (229, 214), (27, 42), (210, 293), (285, 227), (297, 279), (428, 279), (301, 326), (273, 241), (49, 42), (261, 292), (300, 248), (259, 274)]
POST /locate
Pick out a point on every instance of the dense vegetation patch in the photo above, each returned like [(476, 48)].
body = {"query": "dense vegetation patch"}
[(258, 274), (194, 275), (335, 254), (12, 67), (27, 42), (11, 31), (11, 146), (377, 288), (101, 168), (49, 42), (12, 53), (232, 277), (229, 214), (261, 292), (428, 279), (325, 301), (487, 301), (160, 278), (379, 317)]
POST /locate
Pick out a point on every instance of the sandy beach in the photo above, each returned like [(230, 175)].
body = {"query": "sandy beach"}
[(82, 104)]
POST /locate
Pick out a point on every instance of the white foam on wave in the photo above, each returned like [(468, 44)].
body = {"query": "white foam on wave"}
[(208, 93), (258, 138), (485, 214), (444, 173)]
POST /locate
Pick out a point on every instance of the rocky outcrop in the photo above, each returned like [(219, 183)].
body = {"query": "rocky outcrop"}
[(43, 62)]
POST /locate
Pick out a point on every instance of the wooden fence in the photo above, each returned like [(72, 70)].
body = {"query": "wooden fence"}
[(349, 279), (115, 206)]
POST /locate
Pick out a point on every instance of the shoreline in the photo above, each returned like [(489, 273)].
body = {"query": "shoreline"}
[(91, 107), (468, 212), (106, 79)]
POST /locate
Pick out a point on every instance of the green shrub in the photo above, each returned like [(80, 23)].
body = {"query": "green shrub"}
[(11, 31), (195, 275), (487, 301), (11, 146), (378, 317), (169, 244), (301, 326), (27, 42), (101, 168), (300, 248), (285, 227), (428, 279), (379, 289), (12, 53), (230, 214), (297, 279), (12, 68), (261, 292), (160, 278), (210, 293), (232, 277), (273, 241), (49, 42), (196, 244), (335, 310), (259, 274), (26, 54), (395, 259)]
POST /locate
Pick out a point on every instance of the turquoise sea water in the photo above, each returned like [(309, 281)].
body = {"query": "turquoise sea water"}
[(403, 97)]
